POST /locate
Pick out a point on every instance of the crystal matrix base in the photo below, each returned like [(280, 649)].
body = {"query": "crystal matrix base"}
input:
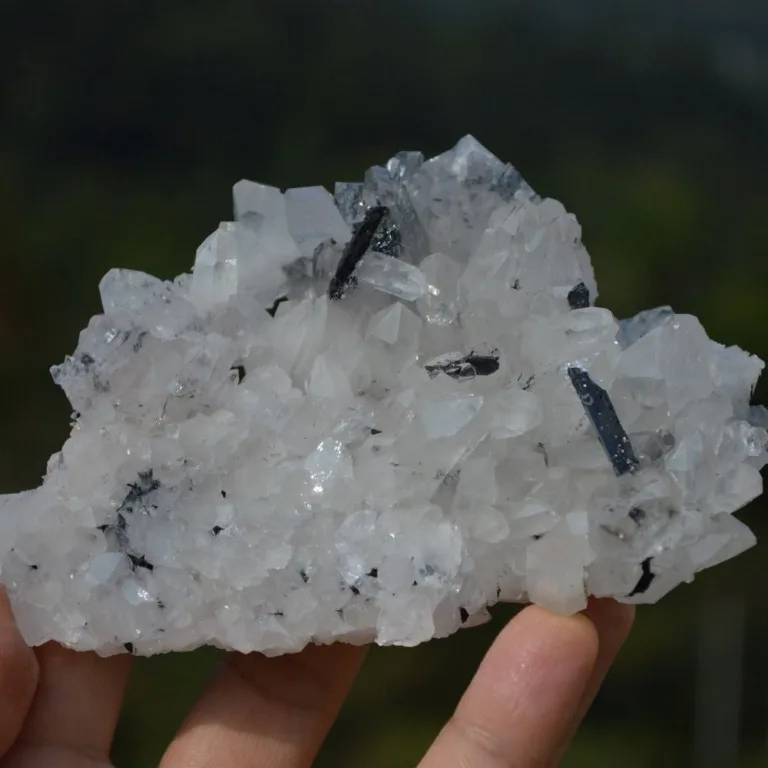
[(432, 418)]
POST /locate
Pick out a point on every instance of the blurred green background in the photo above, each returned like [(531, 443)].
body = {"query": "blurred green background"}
[(124, 124)]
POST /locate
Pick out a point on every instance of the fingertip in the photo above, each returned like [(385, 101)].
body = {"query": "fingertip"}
[(575, 638), (277, 708), (520, 706), (613, 622), (539, 661), (611, 618), (18, 663), (78, 699), (19, 674)]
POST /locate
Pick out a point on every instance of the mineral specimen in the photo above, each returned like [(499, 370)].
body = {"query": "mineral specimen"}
[(369, 416)]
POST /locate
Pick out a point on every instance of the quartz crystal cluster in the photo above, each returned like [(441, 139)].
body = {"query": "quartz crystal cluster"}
[(369, 415)]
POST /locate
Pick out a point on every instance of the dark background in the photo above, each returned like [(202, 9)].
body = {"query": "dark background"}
[(123, 126)]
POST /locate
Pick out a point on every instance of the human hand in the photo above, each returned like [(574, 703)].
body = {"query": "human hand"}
[(59, 708)]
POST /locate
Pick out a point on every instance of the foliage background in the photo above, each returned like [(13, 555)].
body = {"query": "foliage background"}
[(124, 124)]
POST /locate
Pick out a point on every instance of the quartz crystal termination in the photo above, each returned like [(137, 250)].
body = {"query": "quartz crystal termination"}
[(368, 416)]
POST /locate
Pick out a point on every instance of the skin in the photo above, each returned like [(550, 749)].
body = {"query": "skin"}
[(533, 688)]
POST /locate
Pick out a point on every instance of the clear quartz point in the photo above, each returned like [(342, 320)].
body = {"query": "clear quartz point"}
[(392, 276)]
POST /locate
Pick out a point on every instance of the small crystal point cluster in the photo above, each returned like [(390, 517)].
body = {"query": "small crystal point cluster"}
[(368, 416)]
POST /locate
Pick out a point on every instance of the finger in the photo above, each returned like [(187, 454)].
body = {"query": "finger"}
[(77, 702), (266, 713), (518, 710), (613, 622), (18, 676)]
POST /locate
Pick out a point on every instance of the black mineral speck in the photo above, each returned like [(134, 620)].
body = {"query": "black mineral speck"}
[(466, 367), (645, 580), (355, 590), (223, 494), (463, 614), (637, 514), (128, 647), (304, 576), (139, 561), (373, 573), (578, 296), (137, 345), (216, 530), (484, 365), (240, 372), (273, 309), (137, 491), (375, 431), (87, 360)]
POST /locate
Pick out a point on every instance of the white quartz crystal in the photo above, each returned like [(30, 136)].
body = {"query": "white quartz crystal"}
[(434, 418)]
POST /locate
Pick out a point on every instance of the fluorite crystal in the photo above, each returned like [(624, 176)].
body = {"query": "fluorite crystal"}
[(367, 417)]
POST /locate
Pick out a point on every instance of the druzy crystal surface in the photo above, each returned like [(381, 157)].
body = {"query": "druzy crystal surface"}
[(369, 415)]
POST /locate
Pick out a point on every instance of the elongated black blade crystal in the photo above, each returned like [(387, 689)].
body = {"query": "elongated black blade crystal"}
[(355, 250), (602, 414)]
